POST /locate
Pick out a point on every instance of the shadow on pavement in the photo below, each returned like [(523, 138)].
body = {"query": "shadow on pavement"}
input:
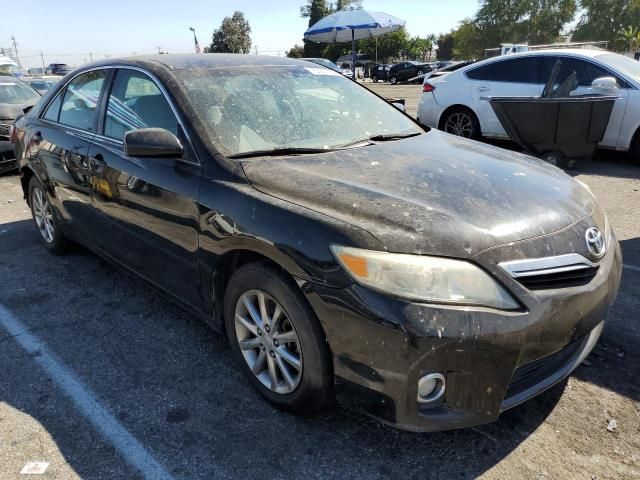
[(173, 385)]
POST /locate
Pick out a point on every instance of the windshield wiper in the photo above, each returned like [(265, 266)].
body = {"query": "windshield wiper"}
[(276, 152), (393, 136)]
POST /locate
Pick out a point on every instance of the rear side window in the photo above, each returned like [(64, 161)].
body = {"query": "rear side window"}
[(586, 72), (136, 102), (516, 70), (80, 100)]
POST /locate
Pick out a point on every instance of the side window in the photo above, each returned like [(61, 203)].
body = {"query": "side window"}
[(586, 72), (136, 102), (478, 73), (517, 70), (54, 108), (80, 100)]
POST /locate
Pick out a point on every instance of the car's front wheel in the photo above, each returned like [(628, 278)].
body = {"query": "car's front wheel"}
[(461, 122), (393, 80), (45, 218), (277, 340), (375, 79)]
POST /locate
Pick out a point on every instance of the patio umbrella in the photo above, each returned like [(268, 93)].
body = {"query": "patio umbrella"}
[(352, 25), (6, 61)]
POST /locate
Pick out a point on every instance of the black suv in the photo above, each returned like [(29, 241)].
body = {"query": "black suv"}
[(403, 71), (379, 72), (57, 69)]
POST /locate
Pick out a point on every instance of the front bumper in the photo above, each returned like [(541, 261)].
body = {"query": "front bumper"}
[(492, 360)]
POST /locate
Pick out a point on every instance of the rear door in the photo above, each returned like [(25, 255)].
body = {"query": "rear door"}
[(509, 77), (586, 72), (147, 208), (61, 137)]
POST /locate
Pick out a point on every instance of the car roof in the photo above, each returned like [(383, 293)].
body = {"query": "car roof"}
[(200, 60)]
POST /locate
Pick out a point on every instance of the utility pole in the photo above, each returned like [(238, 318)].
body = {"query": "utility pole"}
[(44, 69), (91, 56), (159, 49), (15, 47)]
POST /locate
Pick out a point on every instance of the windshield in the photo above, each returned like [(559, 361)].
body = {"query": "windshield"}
[(624, 64), (16, 93), (258, 108)]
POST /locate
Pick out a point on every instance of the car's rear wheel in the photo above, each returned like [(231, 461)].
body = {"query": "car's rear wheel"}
[(277, 340), (420, 72), (635, 148), (45, 218), (555, 158), (393, 80), (375, 79), (461, 122)]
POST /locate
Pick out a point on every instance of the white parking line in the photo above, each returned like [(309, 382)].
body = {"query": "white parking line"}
[(631, 267), (88, 404)]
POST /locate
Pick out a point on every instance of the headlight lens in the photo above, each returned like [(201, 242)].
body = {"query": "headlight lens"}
[(417, 277)]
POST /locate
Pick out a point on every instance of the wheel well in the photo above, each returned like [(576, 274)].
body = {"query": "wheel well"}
[(25, 177), (225, 267), (450, 109)]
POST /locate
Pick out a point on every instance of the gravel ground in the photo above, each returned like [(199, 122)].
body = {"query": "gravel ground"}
[(149, 370)]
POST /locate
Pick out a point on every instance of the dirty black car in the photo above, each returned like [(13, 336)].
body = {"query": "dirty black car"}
[(15, 96), (430, 280)]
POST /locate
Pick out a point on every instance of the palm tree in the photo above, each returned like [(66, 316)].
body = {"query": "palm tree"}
[(432, 38), (629, 37)]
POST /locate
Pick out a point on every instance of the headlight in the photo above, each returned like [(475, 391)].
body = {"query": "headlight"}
[(417, 277)]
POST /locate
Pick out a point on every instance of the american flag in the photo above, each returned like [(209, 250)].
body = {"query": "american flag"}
[(195, 40)]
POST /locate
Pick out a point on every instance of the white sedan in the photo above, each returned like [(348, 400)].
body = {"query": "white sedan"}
[(457, 102)]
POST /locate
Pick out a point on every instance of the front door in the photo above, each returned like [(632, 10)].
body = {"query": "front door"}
[(147, 207)]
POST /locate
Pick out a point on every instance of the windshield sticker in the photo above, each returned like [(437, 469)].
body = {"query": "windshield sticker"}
[(321, 71)]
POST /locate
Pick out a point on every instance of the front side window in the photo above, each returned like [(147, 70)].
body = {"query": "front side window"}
[(16, 92), (53, 110), (81, 99), (136, 102), (261, 107), (586, 72)]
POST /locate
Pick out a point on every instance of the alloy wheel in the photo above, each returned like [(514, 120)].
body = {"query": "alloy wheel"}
[(43, 214), (460, 124), (268, 341)]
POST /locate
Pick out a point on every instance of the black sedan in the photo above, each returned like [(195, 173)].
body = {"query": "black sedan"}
[(15, 97), (428, 279), (401, 72)]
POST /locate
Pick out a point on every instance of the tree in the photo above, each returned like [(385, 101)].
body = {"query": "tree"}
[(467, 41), (314, 10), (233, 36), (296, 52), (628, 37), (418, 48), (342, 4), (433, 38), (603, 19), (445, 46), (389, 46)]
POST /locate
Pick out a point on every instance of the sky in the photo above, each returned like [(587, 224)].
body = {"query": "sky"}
[(74, 31)]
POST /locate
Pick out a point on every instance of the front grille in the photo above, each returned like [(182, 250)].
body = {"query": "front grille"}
[(536, 372), (4, 131), (548, 279)]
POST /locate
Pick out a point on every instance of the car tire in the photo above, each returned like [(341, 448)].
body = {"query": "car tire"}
[(44, 217), (301, 391), (375, 79), (393, 80), (555, 158), (420, 72), (462, 122), (634, 151)]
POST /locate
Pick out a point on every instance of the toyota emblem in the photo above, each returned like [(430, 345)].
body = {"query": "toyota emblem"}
[(595, 242)]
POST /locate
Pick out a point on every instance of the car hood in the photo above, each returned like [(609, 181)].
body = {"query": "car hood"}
[(431, 194), (10, 111)]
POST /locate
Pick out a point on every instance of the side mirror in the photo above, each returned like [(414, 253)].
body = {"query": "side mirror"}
[(152, 142), (605, 83)]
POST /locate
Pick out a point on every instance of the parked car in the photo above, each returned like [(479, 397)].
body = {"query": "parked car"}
[(42, 85), (326, 233), (458, 102), (57, 69), (380, 73), (406, 70), (450, 67), (329, 64), (15, 96)]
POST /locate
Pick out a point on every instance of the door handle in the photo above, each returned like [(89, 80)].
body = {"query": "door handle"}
[(484, 89), (37, 137), (98, 160)]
